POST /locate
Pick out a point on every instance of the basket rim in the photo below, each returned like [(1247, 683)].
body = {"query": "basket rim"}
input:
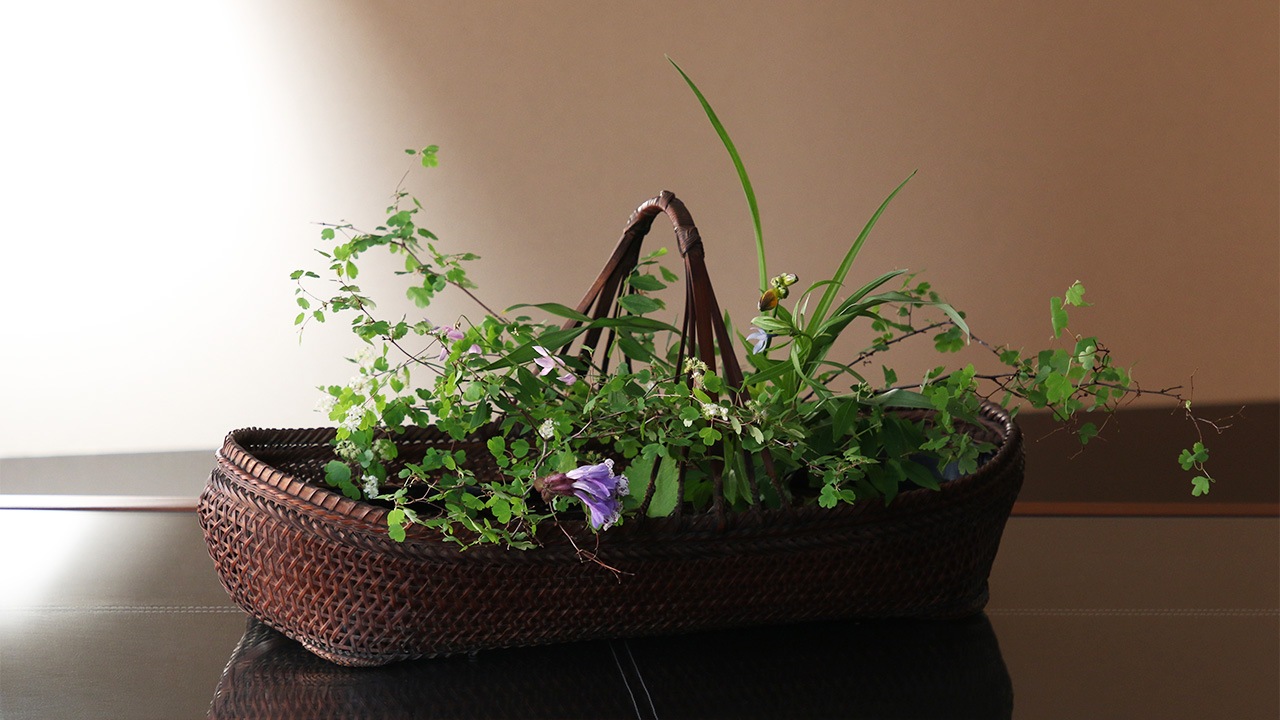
[(326, 505)]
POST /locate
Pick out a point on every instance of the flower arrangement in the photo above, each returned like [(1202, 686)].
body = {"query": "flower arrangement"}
[(567, 434)]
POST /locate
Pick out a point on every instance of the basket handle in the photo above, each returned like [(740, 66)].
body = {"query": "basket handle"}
[(701, 311), (701, 308)]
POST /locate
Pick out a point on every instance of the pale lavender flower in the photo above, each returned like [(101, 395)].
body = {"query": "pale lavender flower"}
[(449, 332), (549, 362), (760, 340), (595, 485)]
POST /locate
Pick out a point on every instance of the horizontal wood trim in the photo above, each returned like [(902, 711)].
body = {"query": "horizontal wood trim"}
[(98, 502), (1145, 509)]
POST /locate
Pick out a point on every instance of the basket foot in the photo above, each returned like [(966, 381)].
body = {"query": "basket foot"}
[(345, 659)]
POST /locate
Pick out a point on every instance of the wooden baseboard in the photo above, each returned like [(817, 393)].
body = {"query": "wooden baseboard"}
[(97, 502), (1145, 509), (1135, 459)]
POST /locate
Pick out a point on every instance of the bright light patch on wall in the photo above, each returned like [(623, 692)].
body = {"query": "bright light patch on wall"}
[(140, 145), (122, 121)]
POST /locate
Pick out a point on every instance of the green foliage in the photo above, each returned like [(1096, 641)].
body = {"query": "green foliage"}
[(829, 433)]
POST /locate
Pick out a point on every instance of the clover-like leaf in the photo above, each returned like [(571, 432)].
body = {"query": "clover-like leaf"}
[(1075, 295), (1087, 432), (1058, 315), (1200, 485)]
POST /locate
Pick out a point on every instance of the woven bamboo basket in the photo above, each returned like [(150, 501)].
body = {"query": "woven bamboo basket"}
[(321, 569)]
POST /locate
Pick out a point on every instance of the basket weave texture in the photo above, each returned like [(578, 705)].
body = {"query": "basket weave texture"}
[(321, 569)]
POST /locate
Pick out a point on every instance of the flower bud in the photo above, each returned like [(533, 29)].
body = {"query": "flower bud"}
[(553, 485)]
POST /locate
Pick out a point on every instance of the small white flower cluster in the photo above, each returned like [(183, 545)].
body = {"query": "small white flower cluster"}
[(352, 421), (346, 450), (384, 449), (696, 370), (362, 382), (369, 484), (547, 429), (325, 404), (711, 411)]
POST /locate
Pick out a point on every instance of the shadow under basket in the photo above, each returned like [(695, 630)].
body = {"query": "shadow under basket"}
[(321, 569)]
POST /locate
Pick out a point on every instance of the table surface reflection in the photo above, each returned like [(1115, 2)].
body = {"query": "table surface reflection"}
[(119, 615)]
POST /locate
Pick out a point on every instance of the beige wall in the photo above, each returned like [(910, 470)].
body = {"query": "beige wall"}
[(170, 162)]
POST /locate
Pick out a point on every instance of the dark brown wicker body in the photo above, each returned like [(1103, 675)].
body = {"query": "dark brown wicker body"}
[(322, 570)]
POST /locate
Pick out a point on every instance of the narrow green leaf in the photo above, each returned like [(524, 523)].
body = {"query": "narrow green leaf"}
[(550, 341), (866, 289), (634, 322), (633, 349), (555, 309), (845, 417), (648, 283), (903, 399), (639, 304), (829, 296), (742, 174), (919, 474), (773, 369)]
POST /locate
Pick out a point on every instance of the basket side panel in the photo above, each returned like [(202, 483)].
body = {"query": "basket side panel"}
[(362, 602)]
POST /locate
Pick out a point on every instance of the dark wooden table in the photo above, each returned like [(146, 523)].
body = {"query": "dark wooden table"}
[(118, 614)]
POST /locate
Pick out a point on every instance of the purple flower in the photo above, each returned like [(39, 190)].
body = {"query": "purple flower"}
[(761, 340), (595, 485), (549, 362)]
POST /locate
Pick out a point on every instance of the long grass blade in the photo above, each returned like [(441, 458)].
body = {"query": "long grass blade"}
[(742, 173), (828, 297)]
